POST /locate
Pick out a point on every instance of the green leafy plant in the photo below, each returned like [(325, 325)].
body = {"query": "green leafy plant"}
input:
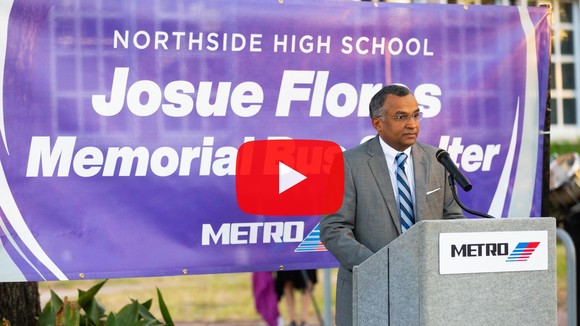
[(87, 311)]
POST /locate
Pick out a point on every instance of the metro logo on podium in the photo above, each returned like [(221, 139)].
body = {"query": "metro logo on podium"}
[(289, 177), (489, 252)]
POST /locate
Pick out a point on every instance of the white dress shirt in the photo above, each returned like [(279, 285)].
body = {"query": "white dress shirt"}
[(390, 154)]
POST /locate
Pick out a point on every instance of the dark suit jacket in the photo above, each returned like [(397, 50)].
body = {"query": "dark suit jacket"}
[(369, 219)]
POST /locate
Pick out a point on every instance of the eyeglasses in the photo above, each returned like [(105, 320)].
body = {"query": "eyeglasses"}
[(405, 117)]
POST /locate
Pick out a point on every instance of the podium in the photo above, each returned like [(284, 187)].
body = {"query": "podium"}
[(461, 272)]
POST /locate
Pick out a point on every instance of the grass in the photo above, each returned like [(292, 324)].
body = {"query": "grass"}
[(213, 298), (207, 298), (560, 148), (561, 274)]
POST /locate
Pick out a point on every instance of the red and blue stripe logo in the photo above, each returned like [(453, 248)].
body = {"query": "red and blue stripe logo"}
[(522, 252), (312, 242)]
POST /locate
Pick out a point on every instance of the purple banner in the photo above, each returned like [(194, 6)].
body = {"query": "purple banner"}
[(121, 121)]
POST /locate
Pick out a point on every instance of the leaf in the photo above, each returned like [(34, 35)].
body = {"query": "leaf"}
[(87, 311), (84, 321), (111, 320), (55, 302), (164, 311), (128, 314), (146, 314), (86, 297), (147, 304), (94, 311), (143, 323), (47, 316), (69, 314)]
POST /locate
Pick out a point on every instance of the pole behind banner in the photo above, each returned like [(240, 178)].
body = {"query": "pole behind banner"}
[(546, 133)]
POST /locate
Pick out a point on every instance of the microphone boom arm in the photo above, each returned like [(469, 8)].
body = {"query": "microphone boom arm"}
[(454, 192)]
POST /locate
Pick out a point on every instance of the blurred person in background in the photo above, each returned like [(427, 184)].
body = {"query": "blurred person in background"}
[(287, 282)]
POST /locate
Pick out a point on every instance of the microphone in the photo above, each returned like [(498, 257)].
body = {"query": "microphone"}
[(447, 162)]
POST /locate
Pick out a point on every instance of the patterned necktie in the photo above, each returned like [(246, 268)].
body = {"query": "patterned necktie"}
[(405, 199)]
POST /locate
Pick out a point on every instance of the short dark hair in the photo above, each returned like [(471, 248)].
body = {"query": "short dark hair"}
[(378, 99)]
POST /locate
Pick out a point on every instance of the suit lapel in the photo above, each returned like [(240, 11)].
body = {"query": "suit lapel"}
[(379, 169), (421, 167)]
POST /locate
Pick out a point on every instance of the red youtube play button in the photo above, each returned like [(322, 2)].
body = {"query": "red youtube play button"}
[(289, 177)]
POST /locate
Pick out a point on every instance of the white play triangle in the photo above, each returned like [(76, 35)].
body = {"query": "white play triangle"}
[(288, 177)]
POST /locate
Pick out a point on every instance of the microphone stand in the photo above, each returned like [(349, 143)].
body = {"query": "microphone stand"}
[(454, 192)]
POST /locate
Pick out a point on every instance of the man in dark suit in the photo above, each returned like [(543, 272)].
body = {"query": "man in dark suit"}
[(370, 216)]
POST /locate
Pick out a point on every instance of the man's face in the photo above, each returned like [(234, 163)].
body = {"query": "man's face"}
[(399, 134)]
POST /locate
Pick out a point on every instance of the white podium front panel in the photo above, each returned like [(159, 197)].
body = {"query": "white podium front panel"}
[(488, 252)]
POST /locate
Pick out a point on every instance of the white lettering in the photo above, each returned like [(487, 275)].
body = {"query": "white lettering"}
[(223, 233), (90, 161), (345, 92), (472, 157), (164, 161), (427, 96), (145, 97), (291, 91), (40, 154), (180, 104), (273, 232), (380, 46), (252, 232), (302, 44), (340, 100), (142, 40)]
